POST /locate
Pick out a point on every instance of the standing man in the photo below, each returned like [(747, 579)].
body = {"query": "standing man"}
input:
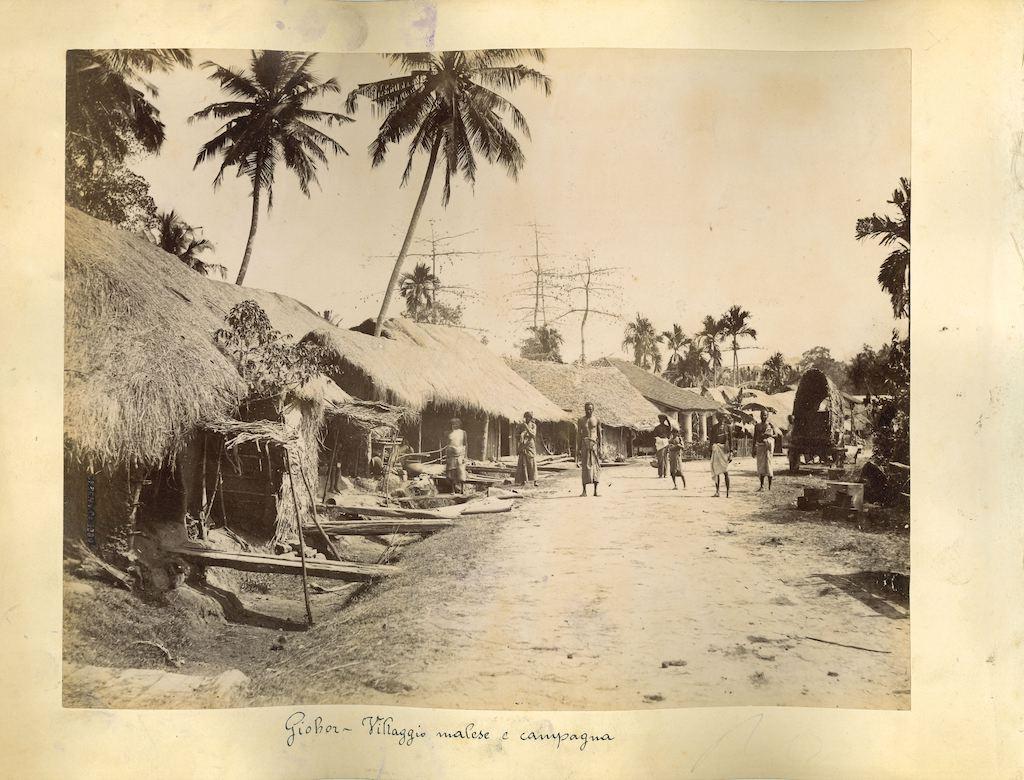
[(721, 451), (588, 440), (455, 456), (526, 471), (662, 433), (764, 446)]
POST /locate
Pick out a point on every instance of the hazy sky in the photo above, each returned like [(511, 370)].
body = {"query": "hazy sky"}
[(710, 178)]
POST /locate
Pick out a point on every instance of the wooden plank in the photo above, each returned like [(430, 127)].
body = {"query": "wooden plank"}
[(273, 564), (442, 513), (383, 525)]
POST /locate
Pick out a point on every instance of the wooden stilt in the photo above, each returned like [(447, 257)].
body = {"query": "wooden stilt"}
[(302, 545), (316, 520)]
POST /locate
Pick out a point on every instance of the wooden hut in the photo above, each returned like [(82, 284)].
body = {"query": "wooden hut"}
[(623, 412), (439, 372), (145, 389), (690, 410)]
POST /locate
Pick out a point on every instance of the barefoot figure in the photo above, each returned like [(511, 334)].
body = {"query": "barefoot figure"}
[(662, 433), (675, 459), (721, 451), (589, 447), (764, 443), (526, 470), (455, 456)]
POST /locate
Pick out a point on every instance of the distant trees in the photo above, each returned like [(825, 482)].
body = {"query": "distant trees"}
[(642, 339), (174, 235), (108, 118), (710, 338), (544, 342), (776, 372), (268, 121), (419, 290), (894, 274), (445, 101), (735, 324), (821, 359)]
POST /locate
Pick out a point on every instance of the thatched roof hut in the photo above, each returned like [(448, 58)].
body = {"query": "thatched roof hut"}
[(658, 391), (141, 370), (444, 367), (616, 402)]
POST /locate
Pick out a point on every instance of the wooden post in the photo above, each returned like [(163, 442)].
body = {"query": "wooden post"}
[(316, 520), (302, 545), (483, 436), (331, 467)]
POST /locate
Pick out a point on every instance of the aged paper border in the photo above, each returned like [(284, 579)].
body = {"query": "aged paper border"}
[(967, 400)]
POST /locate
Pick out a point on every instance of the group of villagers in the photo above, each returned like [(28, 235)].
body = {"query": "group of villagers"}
[(668, 444)]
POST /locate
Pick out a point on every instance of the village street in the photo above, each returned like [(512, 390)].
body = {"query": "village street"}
[(642, 597)]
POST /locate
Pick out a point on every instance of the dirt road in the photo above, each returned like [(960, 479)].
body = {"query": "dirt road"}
[(643, 597)]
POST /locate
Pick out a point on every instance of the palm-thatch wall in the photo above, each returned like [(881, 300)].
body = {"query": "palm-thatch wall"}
[(142, 377), (440, 372), (621, 409)]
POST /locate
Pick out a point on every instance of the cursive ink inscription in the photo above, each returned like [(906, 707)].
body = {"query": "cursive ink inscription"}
[(583, 738), (296, 725), (378, 726)]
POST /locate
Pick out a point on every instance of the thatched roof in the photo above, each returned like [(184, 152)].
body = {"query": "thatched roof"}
[(817, 392), (659, 391), (141, 370), (434, 364), (616, 402)]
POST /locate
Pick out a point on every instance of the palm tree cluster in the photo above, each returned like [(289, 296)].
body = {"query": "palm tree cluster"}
[(693, 360), (448, 105), (174, 235)]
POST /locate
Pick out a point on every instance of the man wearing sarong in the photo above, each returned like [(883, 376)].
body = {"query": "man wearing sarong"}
[(588, 449), (721, 451), (662, 433), (526, 471), (455, 456), (764, 444)]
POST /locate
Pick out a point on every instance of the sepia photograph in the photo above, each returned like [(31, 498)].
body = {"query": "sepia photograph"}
[(509, 379)]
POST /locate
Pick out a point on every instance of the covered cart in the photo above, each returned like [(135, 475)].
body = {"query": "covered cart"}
[(817, 427)]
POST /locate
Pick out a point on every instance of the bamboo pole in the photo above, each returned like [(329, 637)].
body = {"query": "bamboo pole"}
[(316, 520), (332, 466), (202, 511), (302, 545)]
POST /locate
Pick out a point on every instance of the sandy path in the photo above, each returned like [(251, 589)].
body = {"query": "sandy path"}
[(576, 603)]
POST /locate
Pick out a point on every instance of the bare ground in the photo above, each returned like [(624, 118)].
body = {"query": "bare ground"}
[(643, 597)]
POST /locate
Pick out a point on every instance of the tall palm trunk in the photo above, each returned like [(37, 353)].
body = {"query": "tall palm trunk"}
[(252, 234), (397, 270)]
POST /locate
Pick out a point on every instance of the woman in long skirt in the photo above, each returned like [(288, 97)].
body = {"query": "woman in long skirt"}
[(526, 469)]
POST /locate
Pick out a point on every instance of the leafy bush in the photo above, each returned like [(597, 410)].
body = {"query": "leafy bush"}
[(266, 358)]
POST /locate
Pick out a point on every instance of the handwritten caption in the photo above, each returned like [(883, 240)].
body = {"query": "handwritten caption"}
[(303, 727)]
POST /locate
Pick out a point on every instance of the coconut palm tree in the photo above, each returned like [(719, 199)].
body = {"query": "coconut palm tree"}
[(735, 325), (268, 122), (709, 338), (643, 340), (775, 370), (109, 114), (894, 274), (174, 235), (418, 289), (446, 102), (675, 340)]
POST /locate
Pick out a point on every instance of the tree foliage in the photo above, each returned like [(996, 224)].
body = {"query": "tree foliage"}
[(894, 273), (108, 118), (642, 339), (269, 121), (777, 372), (544, 342), (268, 360), (175, 236)]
